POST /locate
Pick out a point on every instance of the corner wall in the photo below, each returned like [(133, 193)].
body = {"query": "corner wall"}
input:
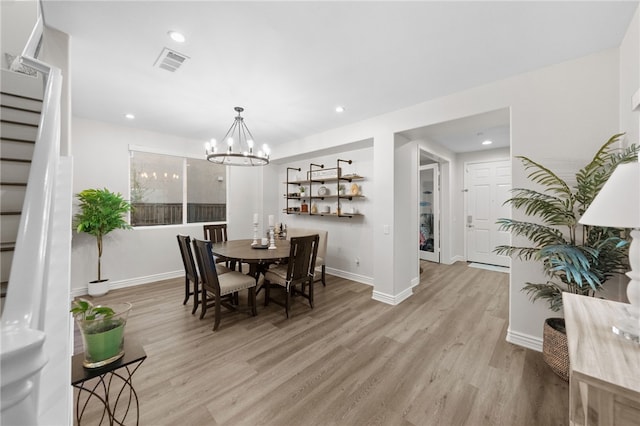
[(630, 80), (561, 113), (348, 238), (145, 254), (18, 19)]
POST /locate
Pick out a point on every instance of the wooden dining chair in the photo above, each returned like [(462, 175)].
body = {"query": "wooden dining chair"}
[(215, 233), (191, 276), (190, 272), (322, 249), (299, 270), (218, 289), (218, 234)]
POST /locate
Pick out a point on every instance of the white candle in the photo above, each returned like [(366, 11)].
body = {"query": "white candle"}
[(255, 218), (271, 220)]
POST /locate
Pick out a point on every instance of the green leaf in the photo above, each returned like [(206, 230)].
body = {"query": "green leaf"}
[(575, 258), (550, 292), (101, 211), (571, 263), (85, 310)]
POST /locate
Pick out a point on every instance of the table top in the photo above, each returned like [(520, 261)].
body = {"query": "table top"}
[(595, 352), (133, 352), (242, 250)]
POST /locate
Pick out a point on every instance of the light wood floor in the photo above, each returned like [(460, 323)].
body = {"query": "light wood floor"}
[(438, 358)]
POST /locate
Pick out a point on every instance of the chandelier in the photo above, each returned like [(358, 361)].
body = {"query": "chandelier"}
[(239, 147)]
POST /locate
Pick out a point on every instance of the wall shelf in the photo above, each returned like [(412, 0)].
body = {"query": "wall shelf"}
[(323, 214), (322, 197), (300, 200), (346, 178)]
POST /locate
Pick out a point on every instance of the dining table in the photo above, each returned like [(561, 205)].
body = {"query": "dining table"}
[(258, 257)]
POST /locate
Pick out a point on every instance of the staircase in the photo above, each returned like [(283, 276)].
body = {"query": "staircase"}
[(19, 119), (35, 327)]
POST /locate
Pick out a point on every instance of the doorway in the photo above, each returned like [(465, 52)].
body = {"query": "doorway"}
[(429, 211), (487, 186), (453, 144)]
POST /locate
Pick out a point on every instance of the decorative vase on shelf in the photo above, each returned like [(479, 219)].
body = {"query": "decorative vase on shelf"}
[(314, 208)]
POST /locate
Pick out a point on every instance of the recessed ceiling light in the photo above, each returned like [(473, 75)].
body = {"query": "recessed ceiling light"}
[(339, 109), (129, 116), (176, 36), (487, 142)]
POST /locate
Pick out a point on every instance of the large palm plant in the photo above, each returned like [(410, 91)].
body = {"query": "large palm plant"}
[(575, 258)]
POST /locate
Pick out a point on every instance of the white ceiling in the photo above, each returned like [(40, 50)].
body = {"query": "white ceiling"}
[(289, 64), (467, 134)]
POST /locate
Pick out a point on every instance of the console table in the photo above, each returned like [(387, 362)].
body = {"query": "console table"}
[(118, 373), (604, 377)]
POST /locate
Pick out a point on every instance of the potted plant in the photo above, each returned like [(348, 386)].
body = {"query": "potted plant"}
[(101, 211), (102, 330), (575, 258)]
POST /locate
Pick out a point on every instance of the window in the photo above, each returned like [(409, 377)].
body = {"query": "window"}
[(170, 190), (206, 191)]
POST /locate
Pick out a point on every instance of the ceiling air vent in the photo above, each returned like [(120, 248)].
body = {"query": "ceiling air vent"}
[(170, 60)]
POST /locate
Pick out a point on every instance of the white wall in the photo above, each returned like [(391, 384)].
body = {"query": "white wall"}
[(146, 254), (481, 157), (405, 263), (18, 19), (630, 79), (561, 113), (348, 238)]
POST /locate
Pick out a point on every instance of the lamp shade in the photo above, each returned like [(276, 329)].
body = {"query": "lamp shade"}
[(618, 202)]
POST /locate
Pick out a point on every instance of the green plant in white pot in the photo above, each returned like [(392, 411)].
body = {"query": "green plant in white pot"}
[(102, 329), (101, 211)]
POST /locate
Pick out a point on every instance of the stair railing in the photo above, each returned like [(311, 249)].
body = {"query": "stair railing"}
[(23, 320)]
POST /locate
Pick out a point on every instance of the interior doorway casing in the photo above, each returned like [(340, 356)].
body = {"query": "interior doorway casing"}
[(429, 211), (426, 155)]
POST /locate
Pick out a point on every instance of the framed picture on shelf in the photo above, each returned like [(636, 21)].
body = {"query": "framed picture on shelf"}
[(324, 173)]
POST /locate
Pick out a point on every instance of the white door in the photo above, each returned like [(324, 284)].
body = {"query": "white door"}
[(428, 214), (487, 186)]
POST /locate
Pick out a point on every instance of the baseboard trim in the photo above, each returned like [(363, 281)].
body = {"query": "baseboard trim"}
[(526, 340), (113, 285), (350, 276), (381, 297), (391, 299)]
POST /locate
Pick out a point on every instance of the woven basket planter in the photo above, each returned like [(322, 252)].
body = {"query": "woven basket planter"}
[(555, 350)]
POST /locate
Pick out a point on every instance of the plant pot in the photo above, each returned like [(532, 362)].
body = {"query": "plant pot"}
[(555, 350), (98, 287), (103, 338)]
